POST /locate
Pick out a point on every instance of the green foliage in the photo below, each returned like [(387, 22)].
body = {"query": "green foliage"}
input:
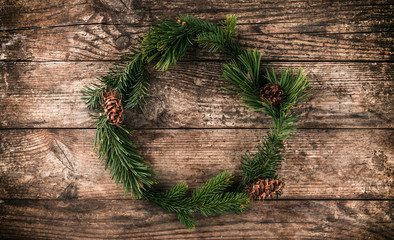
[(230, 25), (128, 77), (166, 44), (217, 38), (93, 95), (122, 157), (265, 163), (210, 199), (244, 75), (213, 186), (295, 85), (133, 83), (169, 40)]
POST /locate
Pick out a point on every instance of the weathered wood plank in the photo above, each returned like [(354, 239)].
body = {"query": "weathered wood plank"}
[(72, 196), (320, 164), (96, 30), (267, 16), (42, 95), (106, 42), (124, 219)]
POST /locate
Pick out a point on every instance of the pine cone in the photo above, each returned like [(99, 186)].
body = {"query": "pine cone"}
[(113, 107), (272, 93), (264, 189)]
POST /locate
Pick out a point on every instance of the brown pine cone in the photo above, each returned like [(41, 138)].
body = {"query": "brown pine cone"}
[(272, 93), (113, 107), (264, 189)]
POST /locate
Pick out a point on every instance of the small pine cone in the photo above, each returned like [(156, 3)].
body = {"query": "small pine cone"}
[(113, 107), (272, 93), (264, 189)]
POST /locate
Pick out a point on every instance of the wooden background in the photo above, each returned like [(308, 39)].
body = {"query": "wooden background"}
[(339, 167)]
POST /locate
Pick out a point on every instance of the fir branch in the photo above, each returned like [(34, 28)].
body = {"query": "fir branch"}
[(209, 199), (122, 157), (214, 37), (187, 219), (133, 83), (224, 203), (230, 25), (169, 40), (213, 186), (128, 77), (295, 85), (93, 95), (243, 74), (265, 163)]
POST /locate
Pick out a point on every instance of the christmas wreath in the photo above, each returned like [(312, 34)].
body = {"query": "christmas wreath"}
[(126, 87)]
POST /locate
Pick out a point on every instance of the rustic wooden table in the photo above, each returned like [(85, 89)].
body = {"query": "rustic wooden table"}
[(339, 166)]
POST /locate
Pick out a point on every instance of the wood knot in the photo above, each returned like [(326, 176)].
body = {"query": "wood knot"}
[(70, 192), (122, 42)]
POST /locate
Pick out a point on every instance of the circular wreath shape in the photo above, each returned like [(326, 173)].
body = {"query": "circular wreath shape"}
[(126, 87)]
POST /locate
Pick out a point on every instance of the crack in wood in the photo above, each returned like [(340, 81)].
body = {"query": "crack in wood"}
[(62, 156)]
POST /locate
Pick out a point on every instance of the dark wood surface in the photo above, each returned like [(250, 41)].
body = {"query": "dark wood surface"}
[(340, 163)]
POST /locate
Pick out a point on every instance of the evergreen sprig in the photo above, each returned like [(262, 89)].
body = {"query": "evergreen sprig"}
[(128, 77), (244, 75), (169, 40), (210, 199), (165, 44), (122, 157)]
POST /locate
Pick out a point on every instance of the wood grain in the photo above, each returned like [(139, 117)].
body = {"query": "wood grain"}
[(320, 164), (339, 168), (100, 30), (124, 219), (47, 95), (106, 42), (300, 16)]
